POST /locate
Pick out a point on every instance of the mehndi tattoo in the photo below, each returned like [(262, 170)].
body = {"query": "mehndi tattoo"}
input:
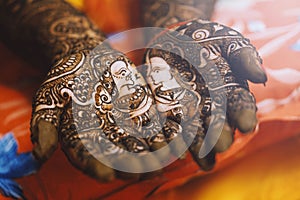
[(93, 100), (96, 103), (163, 13), (103, 104), (196, 60), (47, 29)]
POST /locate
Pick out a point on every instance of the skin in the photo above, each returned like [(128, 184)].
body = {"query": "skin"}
[(64, 39)]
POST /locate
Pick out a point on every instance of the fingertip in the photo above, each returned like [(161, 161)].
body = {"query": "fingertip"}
[(127, 167), (246, 63), (178, 146), (206, 163), (99, 171), (242, 110), (225, 139), (246, 120), (151, 165), (161, 151), (45, 140)]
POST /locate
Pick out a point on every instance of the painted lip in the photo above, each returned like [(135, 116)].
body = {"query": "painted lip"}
[(129, 86)]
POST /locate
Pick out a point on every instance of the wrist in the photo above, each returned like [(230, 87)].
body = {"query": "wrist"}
[(163, 13), (48, 30)]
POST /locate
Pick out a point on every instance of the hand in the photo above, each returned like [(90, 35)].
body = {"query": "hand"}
[(198, 73), (98, 107)]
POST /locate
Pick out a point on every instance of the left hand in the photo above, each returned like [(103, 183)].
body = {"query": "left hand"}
[(198, 73)]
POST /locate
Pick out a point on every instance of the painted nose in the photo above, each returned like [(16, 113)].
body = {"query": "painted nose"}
[(128, 78)]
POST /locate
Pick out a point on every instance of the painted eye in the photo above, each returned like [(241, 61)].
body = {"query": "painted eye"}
[(123, 72)]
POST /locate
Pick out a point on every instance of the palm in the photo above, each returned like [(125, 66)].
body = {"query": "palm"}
[(211, 64)]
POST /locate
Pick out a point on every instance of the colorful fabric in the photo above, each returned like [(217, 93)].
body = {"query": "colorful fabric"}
[(256, 163), (13, 165)]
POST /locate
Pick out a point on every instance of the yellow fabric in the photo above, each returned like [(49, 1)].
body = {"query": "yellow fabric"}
[(76, 3)]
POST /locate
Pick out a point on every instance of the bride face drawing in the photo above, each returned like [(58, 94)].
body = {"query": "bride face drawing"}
[(126, 77), (159, 74)]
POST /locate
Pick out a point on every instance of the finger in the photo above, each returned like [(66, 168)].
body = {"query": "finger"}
[(206, 163), (242, 110), (127, 162), (154, 136), (81, 158), (219, 140), (194, 134), (163, 148), (238, 51), (45, 138), (44, 123), (173, 133), (245, 61), (150, 162), (139, 165), (224, 139), (98, 170), (47, 108)]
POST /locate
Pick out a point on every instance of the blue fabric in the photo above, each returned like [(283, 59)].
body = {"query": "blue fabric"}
[(10, 188), (14, 165), (296, 46)]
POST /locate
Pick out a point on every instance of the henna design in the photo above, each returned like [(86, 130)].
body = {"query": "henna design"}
[(83, 100), (100, 105), (163, 13), (62, 30), (193, 62)]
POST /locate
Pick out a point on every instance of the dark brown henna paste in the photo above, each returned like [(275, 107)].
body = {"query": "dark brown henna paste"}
[(82, 99), (102, 106), (188, 71), (43, 31), (163, 13)]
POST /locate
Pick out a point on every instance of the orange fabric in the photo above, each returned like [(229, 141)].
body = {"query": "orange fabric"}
[(271, 173), (113, 16), (15, 115), (278, 102)]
